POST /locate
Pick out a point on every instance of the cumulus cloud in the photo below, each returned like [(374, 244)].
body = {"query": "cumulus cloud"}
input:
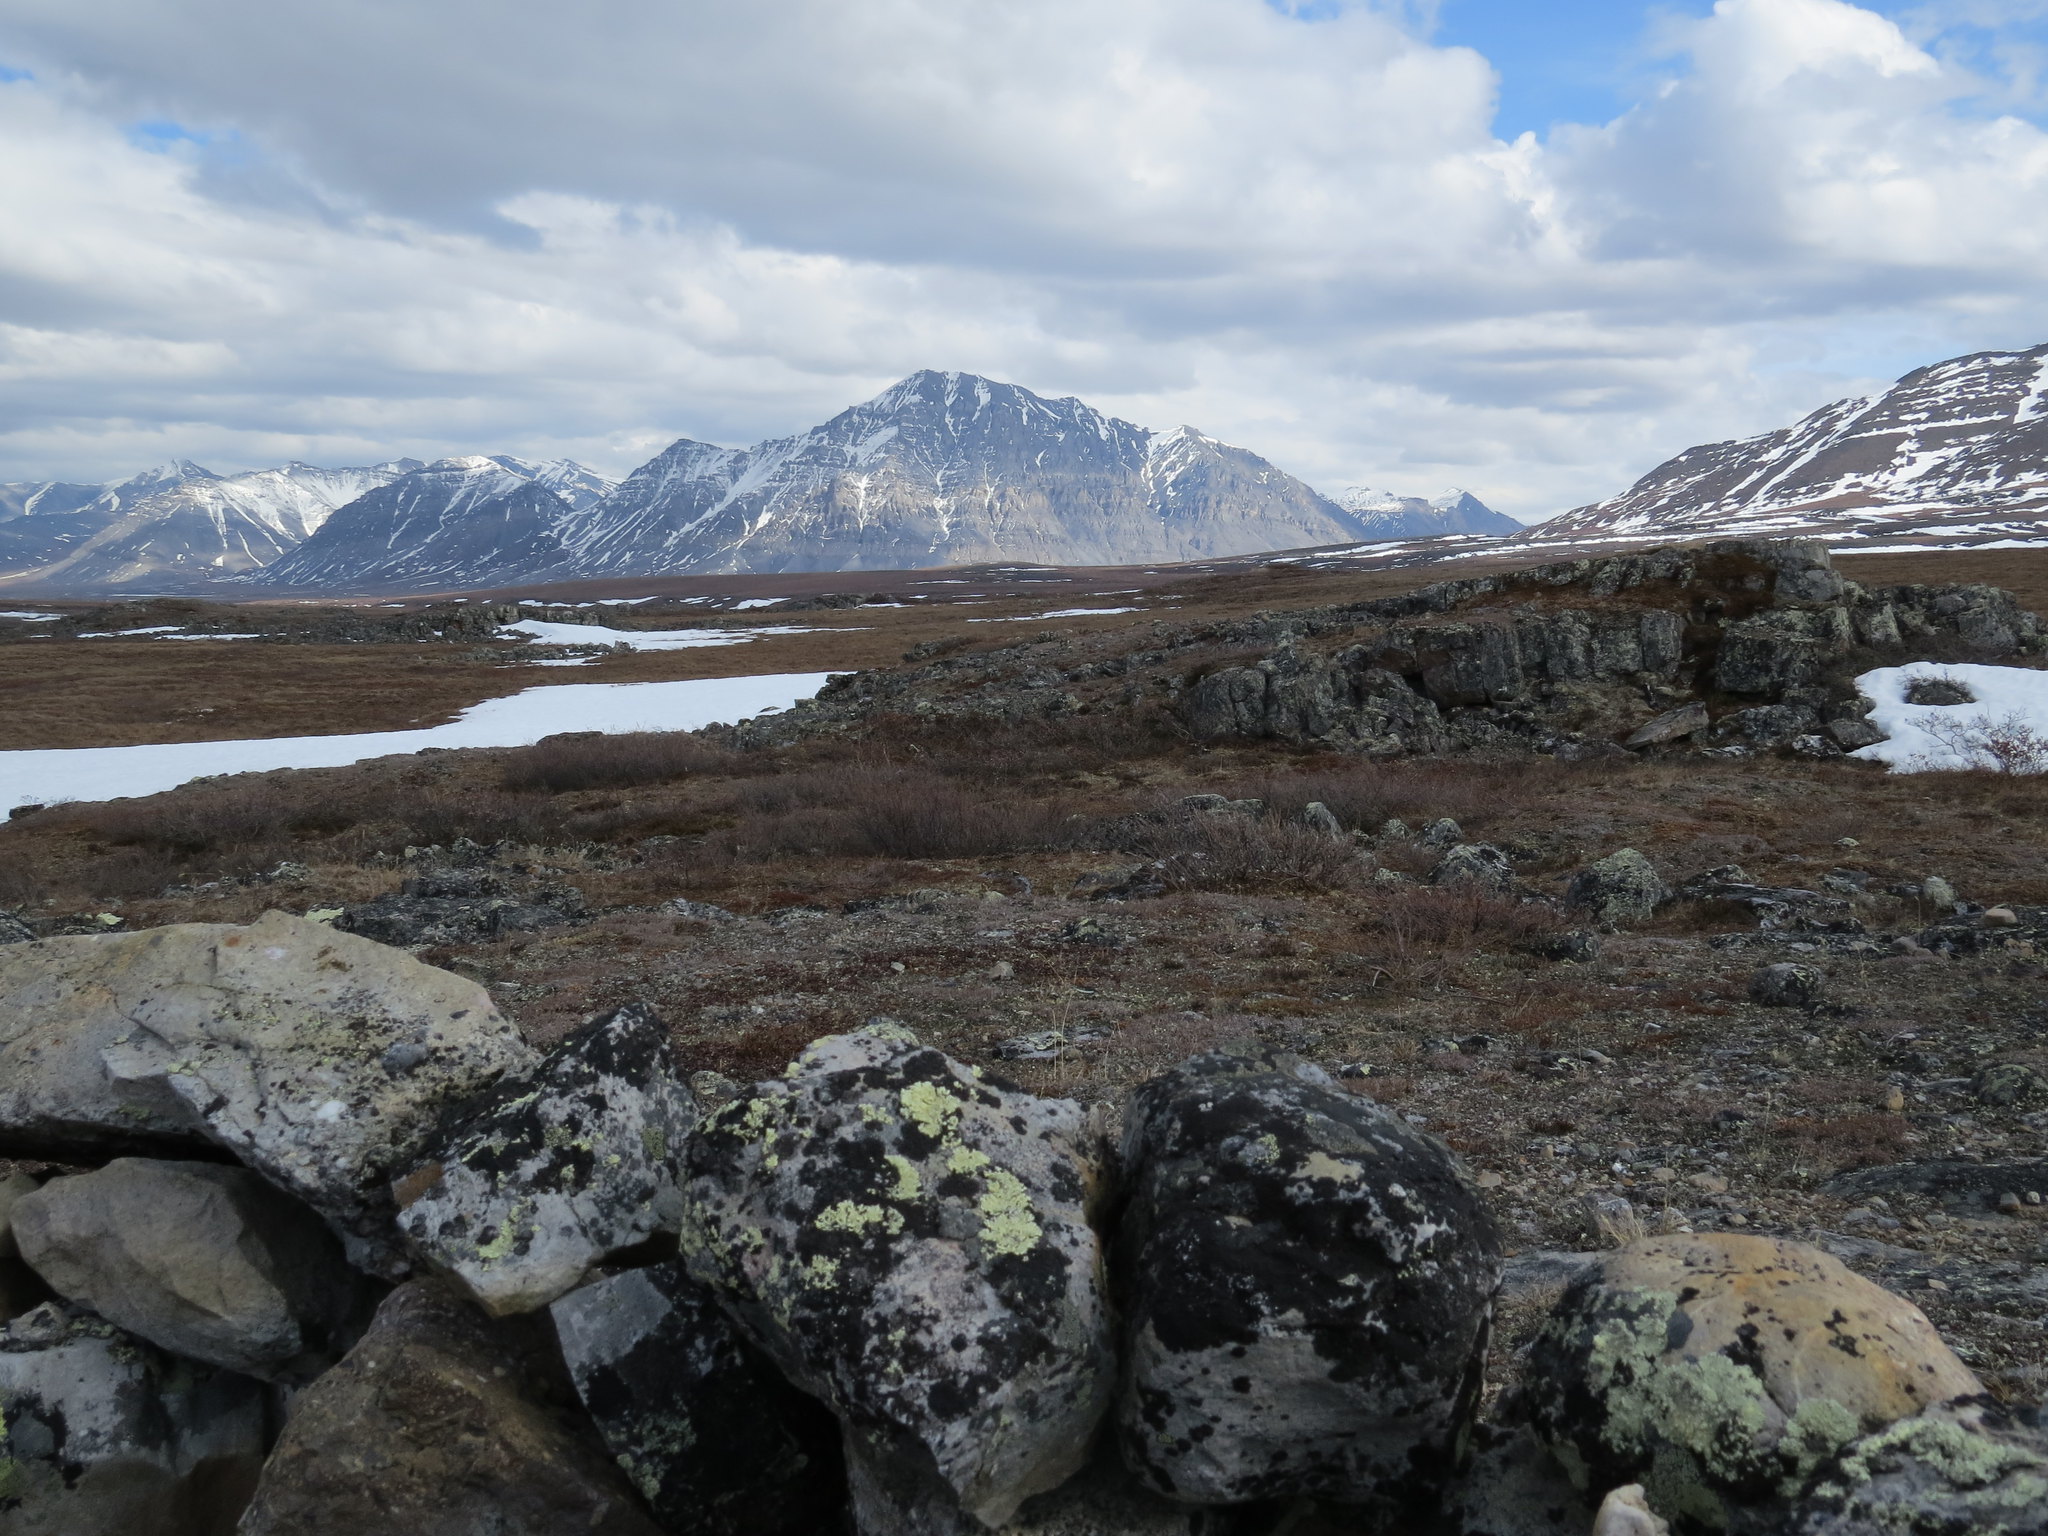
[(242, 231)]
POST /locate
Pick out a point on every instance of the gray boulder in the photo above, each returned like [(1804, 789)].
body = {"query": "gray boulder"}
[(1960, 1469), (1673, 724), (555, 1170), (13, 1189), (1475, 864), (911, 1244), (461, 906), (1308, 1286), (14, 931), (319, 1059), (1624, 887), (203, 1260), (101, 1435), (441, 1422), (706, 1428), (1787, 985)]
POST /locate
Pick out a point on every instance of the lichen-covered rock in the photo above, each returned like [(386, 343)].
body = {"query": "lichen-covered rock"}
[(460, 906), (317, 1058), (442, 1422), (555, 1170), (706, 1428), (1956, 1470), (203, 1260), (1624, 887), (1479, 865), (1721, 1370), (1787, 985), (101, 1435), (1513, 1486), (1673, 724), (1308, 1284), (911, 1244)]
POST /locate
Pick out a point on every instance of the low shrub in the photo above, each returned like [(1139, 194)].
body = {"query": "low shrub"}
[(591, 760)]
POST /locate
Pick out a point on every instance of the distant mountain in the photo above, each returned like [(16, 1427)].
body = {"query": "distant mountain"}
[(1958, 449), (1387, 516), (949, 469), (457, 522), (182, 527)]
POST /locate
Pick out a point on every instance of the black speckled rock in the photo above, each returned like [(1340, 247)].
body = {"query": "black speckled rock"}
[(910, 1244), (709, 1432), (1309, 1286), (528, 1191), (1963, 1469)]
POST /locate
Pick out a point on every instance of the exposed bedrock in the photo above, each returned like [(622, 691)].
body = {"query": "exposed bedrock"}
[(911, 1245), (1308, 1286)]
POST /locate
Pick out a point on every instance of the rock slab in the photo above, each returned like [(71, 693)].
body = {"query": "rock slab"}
[(101, 1435), (911, 1245), (706, 1428), (1308, 1286), (318, 1059), (556, 1170), (441, 1422), (204, 1260)]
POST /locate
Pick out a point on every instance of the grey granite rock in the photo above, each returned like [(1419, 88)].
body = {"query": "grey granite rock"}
[(201, 1259), (911, 1244), (1624, 887), (552, 1171), (1308, 1285)]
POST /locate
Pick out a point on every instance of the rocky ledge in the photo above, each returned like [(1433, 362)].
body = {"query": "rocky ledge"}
[(328, 1248)]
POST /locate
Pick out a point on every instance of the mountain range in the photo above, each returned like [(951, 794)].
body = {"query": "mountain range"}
[(939, 469)]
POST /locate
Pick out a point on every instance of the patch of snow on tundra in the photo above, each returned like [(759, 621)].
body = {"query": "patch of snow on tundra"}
[(2018, 695), (644, 639), (108, 773)]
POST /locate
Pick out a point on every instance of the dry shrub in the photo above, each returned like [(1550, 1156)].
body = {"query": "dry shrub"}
[(1364, 793), (882, 810), (592, 760), (2007, 745), (1841, 1142), (751, 1055), (1208, 852), (995, 751), (19, 886), (1422, 934)]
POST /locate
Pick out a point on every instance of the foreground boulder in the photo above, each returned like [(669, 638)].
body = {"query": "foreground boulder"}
[(1721, 1370), (319, 1059), (441, 1423), (201, 1259), (1624, 887), (1308, 1283), (911, 1245), (101, 1435), (555, 1170), (1956, 1470), (711, 1434)]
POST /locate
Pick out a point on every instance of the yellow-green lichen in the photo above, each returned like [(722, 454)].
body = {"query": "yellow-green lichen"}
[(653, 1142), (1007, 1222), (821, 1271), (508, 1234), (908, 1183), (1965, 1459), (846, 1216), (873, 1114), (966, 1160), (1817, 1430), (931, 1109)]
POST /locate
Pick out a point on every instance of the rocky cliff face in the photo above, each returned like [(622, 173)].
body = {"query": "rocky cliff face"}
[(456, 522), (950, 469), (1957, 441)]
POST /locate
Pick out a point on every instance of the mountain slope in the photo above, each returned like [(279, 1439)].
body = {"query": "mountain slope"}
[(949, 469), (1968, 436), (456, 522), (1387, 516)]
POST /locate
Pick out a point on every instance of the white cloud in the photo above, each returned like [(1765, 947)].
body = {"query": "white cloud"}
[(498, 224)]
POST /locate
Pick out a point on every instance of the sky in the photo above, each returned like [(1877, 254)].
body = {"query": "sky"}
[(1530, 251)]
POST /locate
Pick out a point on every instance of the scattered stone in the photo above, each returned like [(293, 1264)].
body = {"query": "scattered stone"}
[(1132, 882), (1894, 1100), (1046, 1044), (557, 1169), (444, 1423), (460, 906), (1581, 946), (1475, 864), (711, 1089), (1318, 817), (1952, 1182), (1441, 833), (1308, 1283), (911, 1245), (1999, 917), (1221, 805), (1624, 887), (701, 911), (2008, 1082), (1813, 744), (707, 1429), (1672, 725), (1715, 1367), (201, 1259), (1787, 985), (275, 1041), (15, 931), (102, 1435), (1937, 892), (1851, 735)]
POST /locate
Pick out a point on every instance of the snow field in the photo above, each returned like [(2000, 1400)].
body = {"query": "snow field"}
[(2018, 695)]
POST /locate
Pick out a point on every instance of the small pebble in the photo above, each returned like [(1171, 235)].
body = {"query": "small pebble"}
[(1490, 1180), (2000, 917), (1895, 1099), (2009, 1202)]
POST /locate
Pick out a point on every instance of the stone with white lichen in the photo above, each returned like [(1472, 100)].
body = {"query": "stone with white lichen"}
[(911, 1244), (1721, 1371), (1308, 1285), (1962, 1469), (555, 1170)]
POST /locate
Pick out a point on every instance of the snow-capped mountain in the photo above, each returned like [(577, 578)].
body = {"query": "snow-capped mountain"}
[(179, 525), (457, 522), (1388, 516), (1959, 447), (949, 469)]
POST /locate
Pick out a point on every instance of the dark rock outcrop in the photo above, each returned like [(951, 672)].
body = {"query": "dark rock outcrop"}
[(1307, 1281), (461, 906), (706, 1428)]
